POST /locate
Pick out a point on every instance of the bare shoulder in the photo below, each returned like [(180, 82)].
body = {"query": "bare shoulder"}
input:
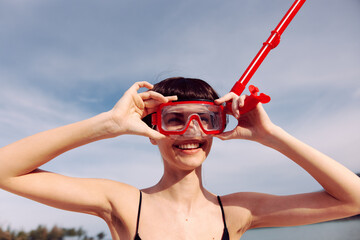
[(123, 200), (121, 194), (121, 197), (238, 209)]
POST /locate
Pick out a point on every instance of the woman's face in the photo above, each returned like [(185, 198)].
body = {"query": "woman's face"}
[(184, 153)]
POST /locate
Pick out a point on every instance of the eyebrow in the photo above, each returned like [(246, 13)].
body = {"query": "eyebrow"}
[(175, 113), (182, 113)]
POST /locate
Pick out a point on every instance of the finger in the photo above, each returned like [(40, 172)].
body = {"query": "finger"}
[(235, 107), (155, 102), (152, 105), (157, 96), (227, 97), (238, 104), (152, 95), (172, 98), (224, 98), (136, 86), (242, 100)]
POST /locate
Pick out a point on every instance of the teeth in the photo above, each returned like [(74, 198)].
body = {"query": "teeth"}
[(189, 146)]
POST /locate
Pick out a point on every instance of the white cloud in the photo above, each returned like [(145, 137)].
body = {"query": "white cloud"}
[(335, 132), (356, 94), (27, 110)]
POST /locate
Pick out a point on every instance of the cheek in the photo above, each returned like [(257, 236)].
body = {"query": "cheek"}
[(208, 148), (165, 149)]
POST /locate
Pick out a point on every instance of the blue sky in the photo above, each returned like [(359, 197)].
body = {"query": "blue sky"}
[(62, 62)]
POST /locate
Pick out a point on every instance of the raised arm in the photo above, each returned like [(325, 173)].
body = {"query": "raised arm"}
[(20, 161), (340, 199)]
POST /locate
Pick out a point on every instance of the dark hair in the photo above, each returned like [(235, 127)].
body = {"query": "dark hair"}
[(184, 89)]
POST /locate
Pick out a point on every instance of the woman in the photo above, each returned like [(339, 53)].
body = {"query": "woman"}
[(178, 207)]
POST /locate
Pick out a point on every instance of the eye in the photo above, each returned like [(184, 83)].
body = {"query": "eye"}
[(174, 119), (210, 119), (205, 118)]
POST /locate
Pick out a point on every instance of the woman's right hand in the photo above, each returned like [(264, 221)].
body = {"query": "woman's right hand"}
[(128, 112), (254, 125)]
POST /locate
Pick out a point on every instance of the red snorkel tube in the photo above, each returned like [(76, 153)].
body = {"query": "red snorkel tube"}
[(271, 43)]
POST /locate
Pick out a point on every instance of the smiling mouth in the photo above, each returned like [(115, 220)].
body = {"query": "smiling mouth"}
[(189, 146)]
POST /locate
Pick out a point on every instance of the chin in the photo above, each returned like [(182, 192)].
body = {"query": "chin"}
[(187, 154)]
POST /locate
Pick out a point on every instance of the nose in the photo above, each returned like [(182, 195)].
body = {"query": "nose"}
[(194, 129)]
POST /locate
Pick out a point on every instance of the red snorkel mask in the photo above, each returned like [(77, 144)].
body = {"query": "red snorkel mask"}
[(175, 118)]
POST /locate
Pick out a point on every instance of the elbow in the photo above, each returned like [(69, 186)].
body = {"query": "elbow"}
[(355, 211), (348, 206), (357, 208), (3, 179), (3, 184), (355, 205), (353, 208)]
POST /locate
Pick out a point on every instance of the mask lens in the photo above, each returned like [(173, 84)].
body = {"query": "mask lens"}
[(176, 117), (211, 119), (173, 121)]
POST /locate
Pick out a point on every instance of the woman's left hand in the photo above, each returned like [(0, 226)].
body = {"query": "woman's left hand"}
[(254, 125)]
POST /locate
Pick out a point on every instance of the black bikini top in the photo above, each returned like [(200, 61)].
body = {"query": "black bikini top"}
[(225, 235)]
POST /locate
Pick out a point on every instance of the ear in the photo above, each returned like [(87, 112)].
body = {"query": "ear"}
[(153, 141)]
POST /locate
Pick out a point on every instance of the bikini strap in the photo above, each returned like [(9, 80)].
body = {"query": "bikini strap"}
[(138, 216), (222, 211)]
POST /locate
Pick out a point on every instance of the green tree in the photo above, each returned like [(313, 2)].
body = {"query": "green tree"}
[(88, 238), (5, 235), (55, 234), (80, 232), (21, 235), (39, 234), (101, 235), (70, 232)]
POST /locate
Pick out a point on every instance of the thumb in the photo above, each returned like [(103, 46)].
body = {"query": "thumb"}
[(227, 135), (155, 134)]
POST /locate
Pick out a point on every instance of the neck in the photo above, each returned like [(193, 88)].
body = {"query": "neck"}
[(182, 187)]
